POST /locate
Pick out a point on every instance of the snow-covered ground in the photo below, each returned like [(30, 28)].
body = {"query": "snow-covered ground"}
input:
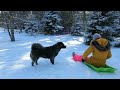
[(15, 62)]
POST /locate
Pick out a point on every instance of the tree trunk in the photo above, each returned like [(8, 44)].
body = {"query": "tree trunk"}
[(84, 21), (8, 29), (11, 27), (12, 35), (119, 18), (12, 31)]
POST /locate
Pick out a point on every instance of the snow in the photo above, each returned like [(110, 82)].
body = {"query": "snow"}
[(15, 62)]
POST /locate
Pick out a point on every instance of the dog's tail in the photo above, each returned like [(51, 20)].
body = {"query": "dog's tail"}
[(36, 46)]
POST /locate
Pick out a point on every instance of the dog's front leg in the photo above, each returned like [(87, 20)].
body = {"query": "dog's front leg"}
[(52, 60)]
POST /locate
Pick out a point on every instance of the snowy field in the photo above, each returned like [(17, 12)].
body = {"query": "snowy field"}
[(15, 62)]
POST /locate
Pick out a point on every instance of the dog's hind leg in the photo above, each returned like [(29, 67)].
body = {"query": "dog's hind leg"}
[(32, 63), (52, 60), (34, 60)]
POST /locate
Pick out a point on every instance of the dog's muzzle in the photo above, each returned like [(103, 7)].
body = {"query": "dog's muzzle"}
[(64, 47)]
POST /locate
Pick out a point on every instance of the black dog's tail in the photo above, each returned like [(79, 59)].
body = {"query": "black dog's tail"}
[(36, 46)]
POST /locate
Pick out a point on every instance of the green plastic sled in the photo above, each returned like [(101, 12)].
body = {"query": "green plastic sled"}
[(101, 69)]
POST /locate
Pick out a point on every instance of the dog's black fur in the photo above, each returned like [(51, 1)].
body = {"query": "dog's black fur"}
[(50, 52)]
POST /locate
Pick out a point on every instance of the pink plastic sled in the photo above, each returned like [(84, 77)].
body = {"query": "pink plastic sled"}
[(77, 57)]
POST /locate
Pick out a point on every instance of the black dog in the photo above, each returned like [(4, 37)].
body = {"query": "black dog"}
[(50, 52)]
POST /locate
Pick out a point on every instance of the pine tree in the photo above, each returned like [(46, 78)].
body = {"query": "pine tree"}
[(77, 26), (51, 22), (116, 34), (67, 20), (102, 22), (117, 25), (32, 24)]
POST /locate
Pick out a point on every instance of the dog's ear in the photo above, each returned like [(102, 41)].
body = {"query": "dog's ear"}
[(59, 43)]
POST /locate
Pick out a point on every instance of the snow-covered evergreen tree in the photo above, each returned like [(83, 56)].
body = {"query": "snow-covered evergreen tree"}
[(32, 24), (104, 23), (117, 25), (116, 34), (77, 26), (52, 22), (76, 29)]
